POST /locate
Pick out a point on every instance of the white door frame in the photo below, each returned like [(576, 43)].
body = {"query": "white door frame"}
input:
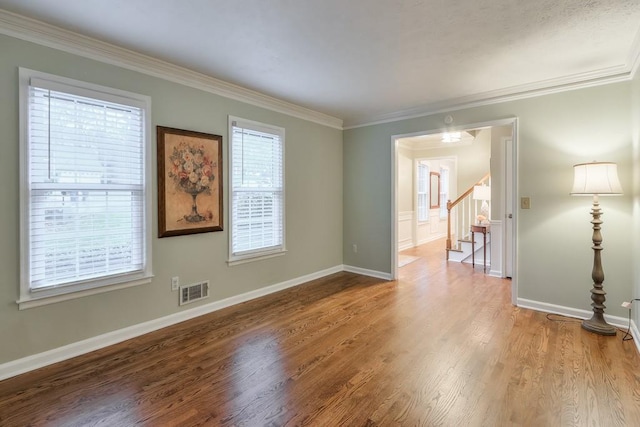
[(513, 122), (510, 207)]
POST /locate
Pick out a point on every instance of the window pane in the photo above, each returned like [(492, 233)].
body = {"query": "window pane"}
[(73, 140), (76, 235), (257, 200), (86, 188)]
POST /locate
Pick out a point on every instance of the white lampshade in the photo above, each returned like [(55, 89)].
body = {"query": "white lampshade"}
[(599, 178), (481, 192)]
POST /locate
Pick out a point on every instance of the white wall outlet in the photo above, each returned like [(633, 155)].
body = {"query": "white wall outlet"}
[(355, 248), (175, 283)]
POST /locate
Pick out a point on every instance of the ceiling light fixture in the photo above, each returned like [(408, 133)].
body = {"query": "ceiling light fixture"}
[(451, 137)]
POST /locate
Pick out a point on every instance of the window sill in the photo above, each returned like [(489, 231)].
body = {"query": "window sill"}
[(33, 300), (254, 257)]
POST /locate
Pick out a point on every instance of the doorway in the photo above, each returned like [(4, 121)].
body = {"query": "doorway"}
[(503, 168)]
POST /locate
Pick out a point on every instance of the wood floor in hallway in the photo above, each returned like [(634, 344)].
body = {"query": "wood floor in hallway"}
[(440, 346)]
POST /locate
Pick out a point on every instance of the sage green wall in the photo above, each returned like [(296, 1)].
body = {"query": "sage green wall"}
[(313, 209), (554, 237)]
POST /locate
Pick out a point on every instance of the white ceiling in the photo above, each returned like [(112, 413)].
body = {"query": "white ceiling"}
[(366, 60)]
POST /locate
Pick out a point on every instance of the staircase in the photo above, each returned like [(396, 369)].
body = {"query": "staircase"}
[(462, 253), (461, 214)]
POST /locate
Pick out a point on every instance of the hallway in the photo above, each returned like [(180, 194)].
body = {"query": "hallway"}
[(431, 257)]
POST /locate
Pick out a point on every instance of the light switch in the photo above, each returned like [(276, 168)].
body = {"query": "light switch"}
[(525, 203)]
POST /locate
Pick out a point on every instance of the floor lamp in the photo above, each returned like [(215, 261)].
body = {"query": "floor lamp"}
[(596, 179)]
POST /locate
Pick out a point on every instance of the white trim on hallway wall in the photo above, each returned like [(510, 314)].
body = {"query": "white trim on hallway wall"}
[(405, 230)]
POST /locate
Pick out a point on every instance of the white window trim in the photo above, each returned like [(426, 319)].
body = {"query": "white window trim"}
[(34, 298), (419, 163), (260, 254)]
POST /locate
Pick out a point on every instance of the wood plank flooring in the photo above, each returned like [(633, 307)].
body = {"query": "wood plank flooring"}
[(440, 346)]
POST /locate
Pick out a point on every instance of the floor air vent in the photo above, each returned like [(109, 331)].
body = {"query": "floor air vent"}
[(195, 292)]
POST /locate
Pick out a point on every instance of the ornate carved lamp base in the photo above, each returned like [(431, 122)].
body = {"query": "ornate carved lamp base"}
[(598, 326)]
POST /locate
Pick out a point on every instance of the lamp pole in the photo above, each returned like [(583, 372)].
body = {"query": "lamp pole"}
[(597, 324)]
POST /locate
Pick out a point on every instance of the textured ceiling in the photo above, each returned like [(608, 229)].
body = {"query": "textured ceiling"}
[(364, 60)]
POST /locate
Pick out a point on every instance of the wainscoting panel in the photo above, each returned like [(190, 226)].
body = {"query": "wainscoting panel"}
[(405, 230), (435, 228)]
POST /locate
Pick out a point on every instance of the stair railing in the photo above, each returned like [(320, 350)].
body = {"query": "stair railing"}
[(461, 213)]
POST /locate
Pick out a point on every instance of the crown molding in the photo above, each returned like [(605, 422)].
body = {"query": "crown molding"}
[(44, 34), (545, 87), (634, 56)]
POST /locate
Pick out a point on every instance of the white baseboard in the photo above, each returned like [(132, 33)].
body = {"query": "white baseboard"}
[(431, 238), (59, 354), (620, 322), (545, 307), (636, 335), (405, 244), (366, 272)]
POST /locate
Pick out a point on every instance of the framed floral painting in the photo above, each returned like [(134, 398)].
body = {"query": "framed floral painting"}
[(189, 182)]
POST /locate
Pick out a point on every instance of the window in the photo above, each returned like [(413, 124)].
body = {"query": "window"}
[(444, 191), (423, 192), (85, 218), (257, 190)]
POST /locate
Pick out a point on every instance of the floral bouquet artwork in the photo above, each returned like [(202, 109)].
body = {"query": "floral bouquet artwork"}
[(192, 172), (189, 182)]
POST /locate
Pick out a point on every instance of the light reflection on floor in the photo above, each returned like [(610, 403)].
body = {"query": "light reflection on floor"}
[(257, 361)]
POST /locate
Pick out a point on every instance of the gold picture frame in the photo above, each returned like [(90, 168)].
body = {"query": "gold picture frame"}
[(189, 182)]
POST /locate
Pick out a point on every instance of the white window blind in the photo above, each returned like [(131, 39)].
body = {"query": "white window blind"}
[(423, 192), (86, 187), (257, 189)]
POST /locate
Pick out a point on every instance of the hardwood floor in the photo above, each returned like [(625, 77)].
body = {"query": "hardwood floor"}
[(440, 346)]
